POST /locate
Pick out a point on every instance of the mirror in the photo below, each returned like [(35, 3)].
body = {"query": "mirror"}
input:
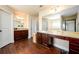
[(51, 22), (44, 24), (18, 23), (69, 23), (66, 20)]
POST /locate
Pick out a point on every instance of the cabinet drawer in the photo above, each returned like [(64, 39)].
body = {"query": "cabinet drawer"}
[(73, 48), (73, 52), (20, 34)]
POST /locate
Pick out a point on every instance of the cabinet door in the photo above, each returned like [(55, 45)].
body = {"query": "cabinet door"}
[(20, 34), (39, 38), (74, 46), (44, 39)]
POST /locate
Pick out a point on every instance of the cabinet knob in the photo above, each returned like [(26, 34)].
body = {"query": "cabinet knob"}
[(0, 30)]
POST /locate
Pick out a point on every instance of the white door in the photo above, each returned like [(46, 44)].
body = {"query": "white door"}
[(5, 28)]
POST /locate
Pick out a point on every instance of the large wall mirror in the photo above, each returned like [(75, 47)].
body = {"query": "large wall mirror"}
[(44, 24), (66, 20), (51, 22), (18, 23)]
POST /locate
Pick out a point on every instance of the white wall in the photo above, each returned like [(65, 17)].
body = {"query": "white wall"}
[(32, 25)]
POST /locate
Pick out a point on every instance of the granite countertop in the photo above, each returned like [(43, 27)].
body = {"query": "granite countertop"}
[(19, 29), (63, 33)]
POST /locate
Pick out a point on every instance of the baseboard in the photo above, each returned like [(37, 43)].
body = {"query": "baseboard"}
[(6, 44)]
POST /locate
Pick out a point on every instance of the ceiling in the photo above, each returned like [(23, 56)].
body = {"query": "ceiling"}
[(67, 12), (34, 9), (30, 9)]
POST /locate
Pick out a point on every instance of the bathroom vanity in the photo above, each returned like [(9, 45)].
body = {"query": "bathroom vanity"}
[(20, 34), (47, 39)]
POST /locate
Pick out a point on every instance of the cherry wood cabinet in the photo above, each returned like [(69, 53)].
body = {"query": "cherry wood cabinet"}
[(48, 39), (20, 34), (44, 39), (39, 38), (74, 46)]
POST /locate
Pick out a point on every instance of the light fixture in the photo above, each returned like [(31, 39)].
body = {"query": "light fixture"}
[(54, 16), (41, 5), (19, 17)]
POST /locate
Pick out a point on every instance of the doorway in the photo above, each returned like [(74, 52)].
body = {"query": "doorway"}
[(33, 26)]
